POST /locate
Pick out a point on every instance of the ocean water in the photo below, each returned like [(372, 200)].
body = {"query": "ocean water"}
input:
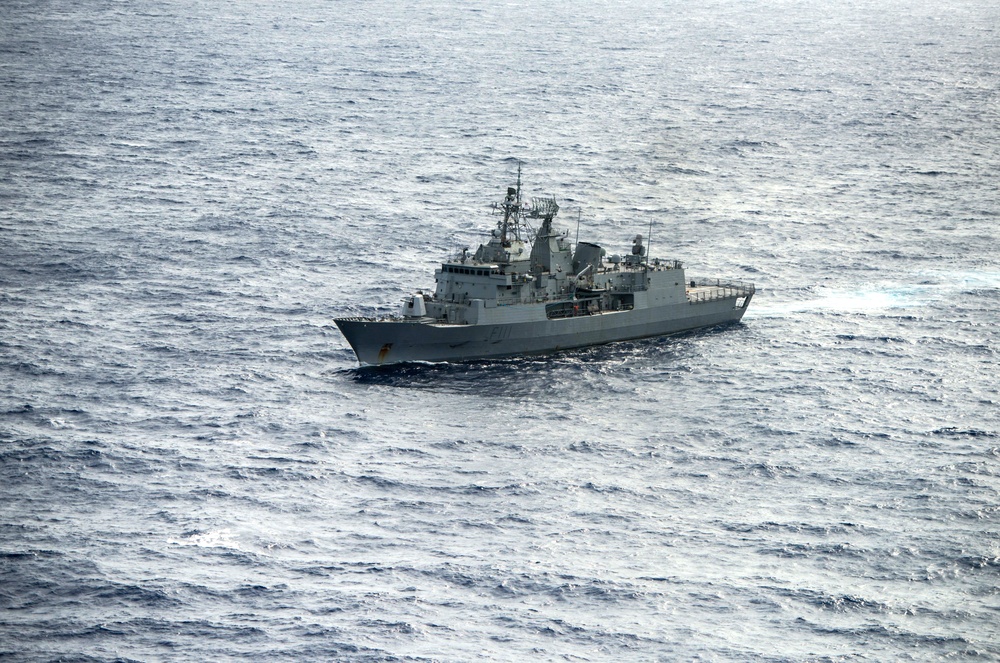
[(193, 467)]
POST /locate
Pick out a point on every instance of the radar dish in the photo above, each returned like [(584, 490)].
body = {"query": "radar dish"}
[(543, 207)]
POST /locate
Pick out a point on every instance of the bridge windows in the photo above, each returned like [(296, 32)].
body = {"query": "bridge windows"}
[(469, 271)]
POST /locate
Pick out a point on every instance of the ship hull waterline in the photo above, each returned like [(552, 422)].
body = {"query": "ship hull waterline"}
[(381, 342)]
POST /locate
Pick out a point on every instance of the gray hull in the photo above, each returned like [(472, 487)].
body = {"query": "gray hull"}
[(377, 342)]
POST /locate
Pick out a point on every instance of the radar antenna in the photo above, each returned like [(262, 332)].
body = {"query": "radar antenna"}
[(543, 208)]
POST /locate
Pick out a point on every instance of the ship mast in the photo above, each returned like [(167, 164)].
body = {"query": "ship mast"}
[(510, 226)]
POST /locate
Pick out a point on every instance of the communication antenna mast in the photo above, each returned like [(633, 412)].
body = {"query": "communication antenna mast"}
[(649, 239), (510, 226)]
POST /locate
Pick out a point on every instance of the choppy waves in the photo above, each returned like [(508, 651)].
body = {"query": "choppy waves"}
[(193, 466)]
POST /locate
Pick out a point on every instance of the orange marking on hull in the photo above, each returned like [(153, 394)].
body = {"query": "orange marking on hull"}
[(383, 352)]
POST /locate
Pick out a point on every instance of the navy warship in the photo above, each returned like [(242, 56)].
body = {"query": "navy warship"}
[(529, 291)]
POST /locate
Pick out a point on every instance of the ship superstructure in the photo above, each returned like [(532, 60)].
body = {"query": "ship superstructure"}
[(514, 296)]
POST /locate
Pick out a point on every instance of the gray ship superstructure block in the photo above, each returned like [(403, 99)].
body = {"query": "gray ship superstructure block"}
[(514, 296)]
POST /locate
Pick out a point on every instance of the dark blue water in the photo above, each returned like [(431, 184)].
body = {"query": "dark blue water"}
[(193, 468)]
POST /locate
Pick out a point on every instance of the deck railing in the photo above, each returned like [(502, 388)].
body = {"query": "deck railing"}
[(717, 289)]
